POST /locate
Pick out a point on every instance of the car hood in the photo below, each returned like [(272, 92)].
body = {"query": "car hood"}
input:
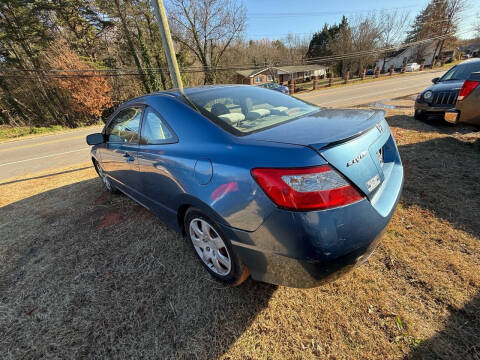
[(446, 86), (322, 128)]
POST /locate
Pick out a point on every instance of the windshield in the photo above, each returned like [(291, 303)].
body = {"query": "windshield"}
[(461, 71), (245, 109)]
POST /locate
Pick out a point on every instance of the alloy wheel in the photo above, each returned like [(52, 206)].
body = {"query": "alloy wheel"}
[(210, 247)]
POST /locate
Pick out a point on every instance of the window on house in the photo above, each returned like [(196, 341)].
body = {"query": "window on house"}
[(258, 79), (269, 78)]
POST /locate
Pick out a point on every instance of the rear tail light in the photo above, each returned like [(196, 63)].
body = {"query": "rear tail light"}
[(467, 88), (313, 188)]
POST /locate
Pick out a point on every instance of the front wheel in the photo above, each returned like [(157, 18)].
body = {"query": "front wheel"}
[(105, 180), (213, 249), (420, 115)]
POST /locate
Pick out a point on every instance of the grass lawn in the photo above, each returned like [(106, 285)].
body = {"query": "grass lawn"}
[(87, 274), (12, 132)]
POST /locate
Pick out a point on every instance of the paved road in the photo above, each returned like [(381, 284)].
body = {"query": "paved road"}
[(21, 157), (43, 152), (371, 92)]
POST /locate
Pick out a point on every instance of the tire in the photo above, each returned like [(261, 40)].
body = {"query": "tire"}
[(105, 180), (213, 249), (420, 116)]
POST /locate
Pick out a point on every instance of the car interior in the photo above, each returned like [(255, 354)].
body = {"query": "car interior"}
[(246, 112)]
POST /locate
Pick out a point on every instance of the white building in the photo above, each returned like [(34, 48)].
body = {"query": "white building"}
[(408, 55)]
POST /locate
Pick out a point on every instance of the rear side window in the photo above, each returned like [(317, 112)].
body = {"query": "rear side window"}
[(461, 71), (124, 126), (154, 130)]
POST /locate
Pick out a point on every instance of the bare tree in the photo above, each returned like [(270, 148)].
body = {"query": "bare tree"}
[(207, 28), (392, 26), (366, 33), (296, 47), (477, 26), (445, 19)]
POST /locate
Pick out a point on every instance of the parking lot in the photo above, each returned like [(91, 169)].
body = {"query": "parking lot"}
[(87, 274)]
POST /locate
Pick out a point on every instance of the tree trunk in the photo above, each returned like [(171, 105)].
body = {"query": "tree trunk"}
[(11, 100), (154, 44), (435, 53), (131, 46)]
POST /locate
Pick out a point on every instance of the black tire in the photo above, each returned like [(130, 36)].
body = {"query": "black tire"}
[(105, 180), (420, 116), (238, 271)]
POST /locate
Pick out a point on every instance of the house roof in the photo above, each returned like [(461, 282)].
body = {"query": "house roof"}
[(250, 72), (395, 53), (300, 68)]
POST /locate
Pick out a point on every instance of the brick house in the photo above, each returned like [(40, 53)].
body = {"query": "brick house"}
[(300, 73), (255, 76)]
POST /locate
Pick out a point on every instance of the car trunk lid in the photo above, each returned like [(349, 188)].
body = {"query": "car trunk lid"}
[(352, 141), (321, 128)]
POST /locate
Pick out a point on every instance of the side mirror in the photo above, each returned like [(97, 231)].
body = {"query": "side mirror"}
[(435, 80), (95, 139)]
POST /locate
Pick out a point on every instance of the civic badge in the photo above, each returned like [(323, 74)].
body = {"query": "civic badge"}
[(357, 159)]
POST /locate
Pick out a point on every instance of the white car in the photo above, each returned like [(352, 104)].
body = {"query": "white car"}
[(413, 67)]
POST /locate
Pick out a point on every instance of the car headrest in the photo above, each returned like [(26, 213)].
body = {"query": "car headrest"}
[(232, 118), (257, 113), (219, 109)]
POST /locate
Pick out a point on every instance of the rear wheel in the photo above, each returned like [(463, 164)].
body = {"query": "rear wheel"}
[(106, 181), (213, 249)]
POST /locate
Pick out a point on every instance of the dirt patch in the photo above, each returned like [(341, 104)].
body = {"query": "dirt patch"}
[(111, 219), (134, 289)]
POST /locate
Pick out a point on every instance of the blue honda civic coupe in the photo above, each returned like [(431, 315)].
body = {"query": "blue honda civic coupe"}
[(258, 182)]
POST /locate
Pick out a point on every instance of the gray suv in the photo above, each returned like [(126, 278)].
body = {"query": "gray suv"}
[(442, 95)]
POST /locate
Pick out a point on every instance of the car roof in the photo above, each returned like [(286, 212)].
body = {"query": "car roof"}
[(469, 61), (176, 94)]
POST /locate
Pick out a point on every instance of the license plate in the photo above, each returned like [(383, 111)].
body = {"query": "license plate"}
[(451, 117)]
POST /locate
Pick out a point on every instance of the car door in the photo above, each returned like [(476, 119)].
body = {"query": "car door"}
[(158, 163), (118, 157)]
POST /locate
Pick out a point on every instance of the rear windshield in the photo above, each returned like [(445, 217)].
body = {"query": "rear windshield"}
[(461, 71), (245, 109)]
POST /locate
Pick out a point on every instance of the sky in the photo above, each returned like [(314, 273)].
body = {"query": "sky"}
[(275, 18)]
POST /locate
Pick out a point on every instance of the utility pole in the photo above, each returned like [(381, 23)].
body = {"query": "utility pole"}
[(167, 43)]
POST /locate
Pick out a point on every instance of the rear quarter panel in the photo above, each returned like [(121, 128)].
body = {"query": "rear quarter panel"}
[(470, 108)]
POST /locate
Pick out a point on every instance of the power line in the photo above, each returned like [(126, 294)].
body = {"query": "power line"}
[(323, 13), (317, 31), (95, 73), (382, 50)]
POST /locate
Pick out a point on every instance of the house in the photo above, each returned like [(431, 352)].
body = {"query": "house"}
[(255, 76), (283, 74), (408, 55), (300, 73), (472, 49)]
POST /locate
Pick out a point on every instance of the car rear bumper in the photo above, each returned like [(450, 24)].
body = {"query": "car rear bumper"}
[(469, 112), (306, 249)]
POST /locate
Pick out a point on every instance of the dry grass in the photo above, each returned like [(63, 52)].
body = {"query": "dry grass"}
[(87, 274)]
